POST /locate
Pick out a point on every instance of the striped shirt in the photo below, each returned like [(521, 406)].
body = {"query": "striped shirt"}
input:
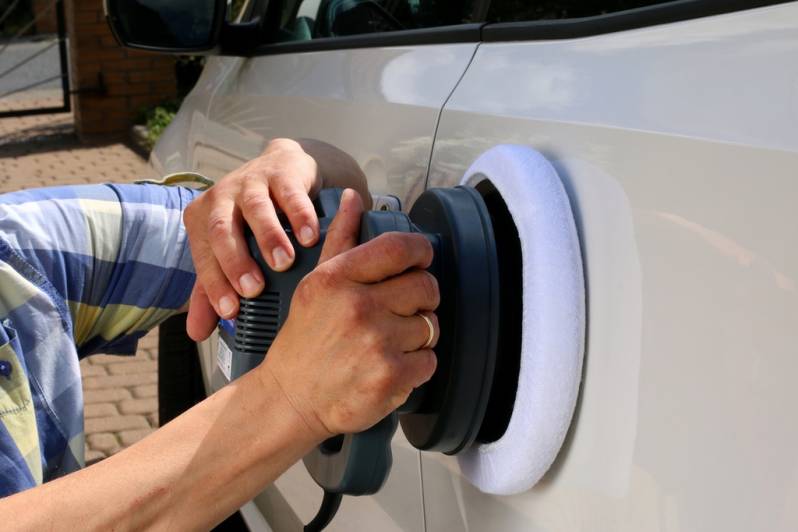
[(83, 270)]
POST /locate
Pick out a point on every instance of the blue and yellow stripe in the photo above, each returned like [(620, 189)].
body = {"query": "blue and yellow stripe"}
[(83, 269)]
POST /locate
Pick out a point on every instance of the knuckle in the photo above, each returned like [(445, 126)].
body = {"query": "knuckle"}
[(188, 213), (369, 340), (270, 234), (203, 263), (429, 286), (193, 215), (434, 318), (427, 245), (215, 287), (360, 306), (325, 278), (293, 200), (207, 279), (394, 246), (308, 161), (279, 142), (318, 281), (399, 398), (248, 176), (254, 201), (428, 365), (305, 290), (212, 195), (384, 377), (374, 339), (432, 361), (219, 226)]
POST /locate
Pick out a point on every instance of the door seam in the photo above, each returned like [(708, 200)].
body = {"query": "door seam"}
[(440, 114), (423, 499), (426, 185)]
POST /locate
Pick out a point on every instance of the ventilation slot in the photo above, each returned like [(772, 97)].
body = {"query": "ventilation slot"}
[(257, 323)]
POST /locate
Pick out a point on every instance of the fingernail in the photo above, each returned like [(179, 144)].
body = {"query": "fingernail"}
[(249, 285), (306, 234), (281, 259), (226, 305)]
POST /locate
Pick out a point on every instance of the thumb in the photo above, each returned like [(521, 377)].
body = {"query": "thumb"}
[(345, 228)]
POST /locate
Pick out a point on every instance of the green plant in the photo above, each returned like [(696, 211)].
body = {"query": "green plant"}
[(157, 118)]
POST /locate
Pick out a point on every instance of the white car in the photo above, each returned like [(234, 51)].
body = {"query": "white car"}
[(674, 128)]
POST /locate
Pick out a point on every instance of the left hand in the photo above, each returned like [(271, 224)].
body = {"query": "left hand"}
[(353, 347), (283, 176)]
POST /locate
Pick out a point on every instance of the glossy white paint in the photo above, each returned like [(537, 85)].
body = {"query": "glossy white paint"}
[(174, 151), (254, 518), (678, 145), (379, 105)]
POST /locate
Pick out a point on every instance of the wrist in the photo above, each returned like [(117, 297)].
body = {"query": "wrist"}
[(307, 428)]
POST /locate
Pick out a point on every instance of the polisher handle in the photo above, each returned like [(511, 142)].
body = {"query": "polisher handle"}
[(352, 464)]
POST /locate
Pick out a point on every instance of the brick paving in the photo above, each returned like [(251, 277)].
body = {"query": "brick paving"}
[(120, 396), (120, 393)]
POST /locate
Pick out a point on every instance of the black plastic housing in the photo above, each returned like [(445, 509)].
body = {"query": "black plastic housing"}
[(444, 414)]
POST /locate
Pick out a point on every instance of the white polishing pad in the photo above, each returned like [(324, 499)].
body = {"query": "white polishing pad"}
[(553, 322)]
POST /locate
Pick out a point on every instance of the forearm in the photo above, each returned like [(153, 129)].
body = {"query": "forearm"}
[(188, 475)]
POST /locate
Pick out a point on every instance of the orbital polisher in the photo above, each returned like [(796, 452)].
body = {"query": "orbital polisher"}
[(445, 414)]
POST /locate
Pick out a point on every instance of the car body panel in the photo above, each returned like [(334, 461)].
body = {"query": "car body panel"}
[(678, 146), (379, 105), (174, 151)]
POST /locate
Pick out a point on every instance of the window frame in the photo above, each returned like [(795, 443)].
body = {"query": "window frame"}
[(461, 33), (534, 30), (630, 19)]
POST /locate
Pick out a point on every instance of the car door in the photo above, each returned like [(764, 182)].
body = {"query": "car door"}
[(344, 74), (675, 131)]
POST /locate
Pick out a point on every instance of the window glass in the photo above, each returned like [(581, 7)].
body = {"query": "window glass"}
[(301, 20), (237, 10), (520, 10), (311, 19)]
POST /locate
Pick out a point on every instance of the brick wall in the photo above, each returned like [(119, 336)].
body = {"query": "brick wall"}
[(133, 79)]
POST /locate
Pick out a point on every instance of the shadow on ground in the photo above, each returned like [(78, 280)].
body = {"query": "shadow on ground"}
[(38, 138)]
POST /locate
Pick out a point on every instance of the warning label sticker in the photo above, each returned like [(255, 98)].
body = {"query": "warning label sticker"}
[(224, 359)]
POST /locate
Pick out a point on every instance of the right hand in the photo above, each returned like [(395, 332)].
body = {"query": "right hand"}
[(283, 177), (286, 176), (350, 351)]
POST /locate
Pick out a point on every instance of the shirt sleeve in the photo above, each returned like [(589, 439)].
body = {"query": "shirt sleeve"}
[(116, 256)]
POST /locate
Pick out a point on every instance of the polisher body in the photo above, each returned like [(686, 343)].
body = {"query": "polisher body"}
[(446, 413)]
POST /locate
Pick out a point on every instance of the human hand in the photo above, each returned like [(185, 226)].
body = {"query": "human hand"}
[(350, 351), (286, 175)]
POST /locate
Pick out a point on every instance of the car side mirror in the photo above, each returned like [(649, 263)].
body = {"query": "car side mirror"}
[(173, 26)]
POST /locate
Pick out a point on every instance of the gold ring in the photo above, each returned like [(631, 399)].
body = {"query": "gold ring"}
[(431, 330)]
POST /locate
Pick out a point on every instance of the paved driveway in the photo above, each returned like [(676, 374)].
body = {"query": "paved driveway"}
[(43, 66), (120, 392)]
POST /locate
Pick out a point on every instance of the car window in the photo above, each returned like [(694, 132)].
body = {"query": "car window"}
[(524, 10), (238, 10), (310, 19), (305, 20)]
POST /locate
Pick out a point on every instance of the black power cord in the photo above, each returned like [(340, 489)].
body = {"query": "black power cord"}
[(329, 507)]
